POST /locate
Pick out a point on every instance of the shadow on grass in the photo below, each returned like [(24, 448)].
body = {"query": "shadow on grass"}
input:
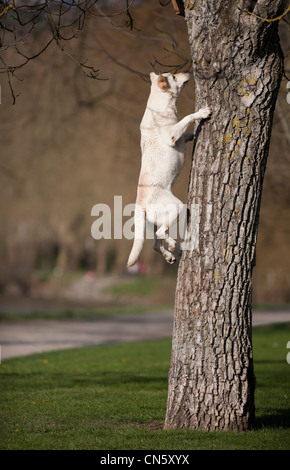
[(281, 419), (77, 380), (117, 378)]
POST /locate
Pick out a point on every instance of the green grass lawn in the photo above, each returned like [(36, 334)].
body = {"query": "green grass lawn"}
[(114, 397), (76, 313)]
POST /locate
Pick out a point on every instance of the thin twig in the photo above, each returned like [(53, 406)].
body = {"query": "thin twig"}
[(269, 20)]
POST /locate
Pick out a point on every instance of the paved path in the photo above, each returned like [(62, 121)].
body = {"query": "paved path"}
[(33, 336)]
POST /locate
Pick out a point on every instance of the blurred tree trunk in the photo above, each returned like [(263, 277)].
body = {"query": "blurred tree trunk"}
[(237, 65)]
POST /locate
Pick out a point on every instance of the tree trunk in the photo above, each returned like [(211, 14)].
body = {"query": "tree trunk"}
[(237, 65)]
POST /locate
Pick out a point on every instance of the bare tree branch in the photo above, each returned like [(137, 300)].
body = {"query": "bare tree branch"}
[(55, 21), (268, 20), (116, 61)]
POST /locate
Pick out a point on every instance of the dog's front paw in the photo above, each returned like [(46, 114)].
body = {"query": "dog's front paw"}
[(204, 112)]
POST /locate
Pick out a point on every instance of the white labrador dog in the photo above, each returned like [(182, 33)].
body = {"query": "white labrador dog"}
[(163, 141)]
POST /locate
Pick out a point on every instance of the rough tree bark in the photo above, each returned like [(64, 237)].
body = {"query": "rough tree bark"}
[(237, 65)]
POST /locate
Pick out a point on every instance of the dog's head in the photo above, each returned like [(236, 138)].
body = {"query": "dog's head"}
[(169, 83)]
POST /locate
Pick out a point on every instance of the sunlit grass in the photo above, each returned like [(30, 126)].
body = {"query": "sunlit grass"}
[(114, 397)]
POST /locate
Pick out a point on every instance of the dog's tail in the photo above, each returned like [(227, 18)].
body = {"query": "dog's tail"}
[(140, 223)]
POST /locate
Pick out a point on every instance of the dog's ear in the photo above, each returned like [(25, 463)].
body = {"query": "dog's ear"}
[(152, 76), (162, 82)]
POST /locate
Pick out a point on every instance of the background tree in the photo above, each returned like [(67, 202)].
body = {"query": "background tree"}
[(238, 66)]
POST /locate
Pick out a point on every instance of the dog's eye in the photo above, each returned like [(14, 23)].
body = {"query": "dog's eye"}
[(173, 76)]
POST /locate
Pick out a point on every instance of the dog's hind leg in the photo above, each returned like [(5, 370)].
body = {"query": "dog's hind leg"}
[(173, 209), (162, 233), (164, 214), (169, 257), (158, 246), (160, 236), (157, 243)]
